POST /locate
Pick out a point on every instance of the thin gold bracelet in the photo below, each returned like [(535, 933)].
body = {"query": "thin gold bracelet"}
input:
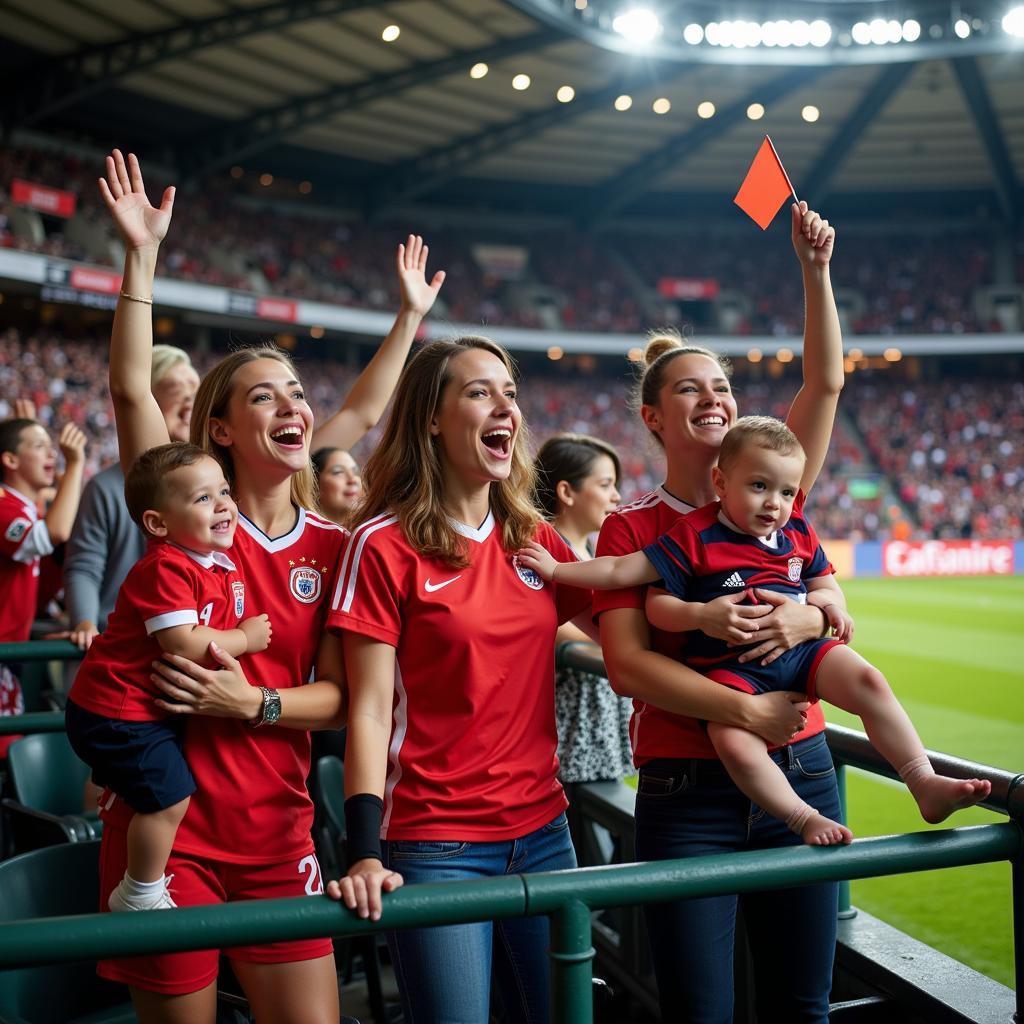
[(136, 298)]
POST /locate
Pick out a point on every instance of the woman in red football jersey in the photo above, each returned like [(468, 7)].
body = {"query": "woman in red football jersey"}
[(247, 831), (686, 803), (449, 655)]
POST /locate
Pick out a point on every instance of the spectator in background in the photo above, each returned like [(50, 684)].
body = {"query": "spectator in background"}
[(339, 483), (105, 543), (577, 486)]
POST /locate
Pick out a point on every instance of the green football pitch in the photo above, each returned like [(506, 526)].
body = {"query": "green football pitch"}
[(951, 649)]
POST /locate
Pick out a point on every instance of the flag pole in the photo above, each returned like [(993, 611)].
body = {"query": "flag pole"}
[(775, 153)]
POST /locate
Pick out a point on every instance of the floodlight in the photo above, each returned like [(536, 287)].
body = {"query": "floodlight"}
[(712, 33), (861, 33), (783, 33), (639, 25), (894, 31), (962, 28), (810, 113), (911, 30), (1013, 22), (821, 33), (879, 29), (801, 33), (693, 34)]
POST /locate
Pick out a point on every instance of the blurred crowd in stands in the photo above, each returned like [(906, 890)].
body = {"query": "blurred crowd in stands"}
[(922, 460), (607, 282)]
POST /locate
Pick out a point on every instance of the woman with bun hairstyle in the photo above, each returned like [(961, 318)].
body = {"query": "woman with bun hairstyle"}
[(686, 803), (450, 766), (577, 487), (247, 831)]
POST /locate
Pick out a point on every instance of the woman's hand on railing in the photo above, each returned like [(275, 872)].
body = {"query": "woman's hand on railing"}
[(361, 889)]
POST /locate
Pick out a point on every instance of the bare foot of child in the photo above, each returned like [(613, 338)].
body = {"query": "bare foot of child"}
[(938, 796), (821, 831)]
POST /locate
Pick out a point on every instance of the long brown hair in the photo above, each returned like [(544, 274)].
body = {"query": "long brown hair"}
[(663, 346), (404, 474), (212, 403)]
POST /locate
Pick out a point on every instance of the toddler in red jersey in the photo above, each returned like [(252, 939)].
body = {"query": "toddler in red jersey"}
[(182, 596), (756, 537)]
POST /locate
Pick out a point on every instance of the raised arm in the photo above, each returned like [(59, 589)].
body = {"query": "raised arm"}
[(366, 402), (60, 516), (813, 412), (142, 227)]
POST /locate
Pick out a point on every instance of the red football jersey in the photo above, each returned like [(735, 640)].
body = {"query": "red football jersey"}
[(472, 752), (252, 805), (167, 587), (23, 539), (654, 732)]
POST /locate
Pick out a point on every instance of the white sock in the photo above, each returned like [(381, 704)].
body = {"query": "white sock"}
[(143, 890)]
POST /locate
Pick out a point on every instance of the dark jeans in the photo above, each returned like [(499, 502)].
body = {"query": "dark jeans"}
[(686, 808)]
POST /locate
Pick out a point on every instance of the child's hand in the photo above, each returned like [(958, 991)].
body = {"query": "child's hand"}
[(813, 238), (536, 557), (257, 632), (840, 621), (72, 444)]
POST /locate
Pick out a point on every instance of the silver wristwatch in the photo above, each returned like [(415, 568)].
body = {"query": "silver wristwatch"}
[(270, 713)]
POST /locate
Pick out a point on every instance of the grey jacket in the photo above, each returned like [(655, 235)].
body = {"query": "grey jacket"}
[(104, 544)]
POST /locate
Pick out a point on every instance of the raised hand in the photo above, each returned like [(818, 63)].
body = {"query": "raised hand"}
[(24, 409), (813, 238), (140, 224), (72, 444), (411, 264)]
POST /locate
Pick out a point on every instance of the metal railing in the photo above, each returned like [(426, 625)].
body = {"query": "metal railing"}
[(567, 897)]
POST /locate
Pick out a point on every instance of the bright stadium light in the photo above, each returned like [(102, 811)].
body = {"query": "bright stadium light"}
[(623, 102), (861, 33), (639, 25), (783, 33), (1013, 22), (911, 30), (755, 111), (821, 33), (810, 113), (894, 31), (879, 29), (478, 70), (693, 34), (662, 105), (750, 34), (712, 33), (726, 33), (705, 110), (390, 33), (962, 28), (801, 33), (521, 82), (565, 94)]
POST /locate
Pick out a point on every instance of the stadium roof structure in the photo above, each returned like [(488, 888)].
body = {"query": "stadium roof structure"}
[(554, 106)]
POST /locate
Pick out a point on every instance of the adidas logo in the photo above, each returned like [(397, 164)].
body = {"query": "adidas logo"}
[(735, 580)]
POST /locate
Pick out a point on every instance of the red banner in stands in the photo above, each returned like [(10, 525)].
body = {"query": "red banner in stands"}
[(278, 309), (689, 288), (88, 280), (948, 558), (46, 200)]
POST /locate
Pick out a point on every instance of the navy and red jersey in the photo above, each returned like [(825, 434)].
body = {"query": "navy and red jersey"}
[(167, 587), (702, 558), (654, 732), (473, 741), (23, 540)]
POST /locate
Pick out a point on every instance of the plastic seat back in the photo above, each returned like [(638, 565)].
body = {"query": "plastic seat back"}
[(45, 773), (56, 881)]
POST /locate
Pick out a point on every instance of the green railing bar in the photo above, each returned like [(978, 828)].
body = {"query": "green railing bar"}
[(34, 721), (59, 939), (846, 909), (571, 953), (40, 650)]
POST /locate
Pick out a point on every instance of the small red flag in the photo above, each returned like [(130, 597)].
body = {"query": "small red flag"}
[(765, 187)]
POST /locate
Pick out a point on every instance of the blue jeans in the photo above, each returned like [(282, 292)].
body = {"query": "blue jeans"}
[(444, 974), (686, 808)]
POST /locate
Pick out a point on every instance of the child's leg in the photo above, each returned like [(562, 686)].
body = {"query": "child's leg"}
[(845, 679), (150, 838), (745, 757)]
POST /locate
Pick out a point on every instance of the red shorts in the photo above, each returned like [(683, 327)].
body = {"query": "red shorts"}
[(198, 881)]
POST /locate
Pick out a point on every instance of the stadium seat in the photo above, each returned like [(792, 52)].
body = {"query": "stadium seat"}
[(330, 842), (46, 781), (50, 882)]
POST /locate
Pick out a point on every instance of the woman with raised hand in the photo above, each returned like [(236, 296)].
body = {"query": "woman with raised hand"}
[(450, 767), (686, 803), (247, 831), (339, 483)]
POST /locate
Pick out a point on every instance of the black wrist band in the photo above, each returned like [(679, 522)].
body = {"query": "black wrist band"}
[(364, 814)]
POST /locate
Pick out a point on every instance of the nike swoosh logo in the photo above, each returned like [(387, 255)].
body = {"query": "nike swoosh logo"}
[(431, 587)]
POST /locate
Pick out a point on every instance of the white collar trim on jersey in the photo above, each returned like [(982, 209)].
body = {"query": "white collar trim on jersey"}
[(480, 534), (30, 506), (771, 541), (677, 504), (207, 561), (273, 544)]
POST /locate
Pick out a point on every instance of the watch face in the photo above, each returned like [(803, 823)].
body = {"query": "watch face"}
[(273, 707)]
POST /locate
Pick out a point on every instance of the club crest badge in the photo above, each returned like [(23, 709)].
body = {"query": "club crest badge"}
[(17, 530), (528, 576), (238, 592), (305, 584), (795, 566)]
